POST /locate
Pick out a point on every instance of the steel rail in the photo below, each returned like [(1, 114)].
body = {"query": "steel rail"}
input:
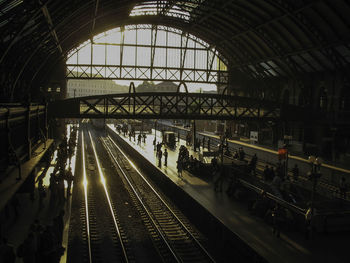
[(162, 201), (85, 183), (103, 181)]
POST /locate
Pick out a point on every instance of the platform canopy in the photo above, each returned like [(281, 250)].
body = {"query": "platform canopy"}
[(259, 38)]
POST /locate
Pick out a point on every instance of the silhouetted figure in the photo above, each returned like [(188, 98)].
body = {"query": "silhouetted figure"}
[(295, 172), (165, 157), (241, 154), (58, 224), (343, 187), (27, 249), (252, 164), (160, 153), (7, 253), (266, 173), (276, 220), (69, 178), (42, 193), (219, 174), (139, 139), (179, 167)]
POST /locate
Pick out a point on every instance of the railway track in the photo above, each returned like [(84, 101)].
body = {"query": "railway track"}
[(102, 236), (173, 237)]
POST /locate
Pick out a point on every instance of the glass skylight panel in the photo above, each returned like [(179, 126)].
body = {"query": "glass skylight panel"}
[(152, 8)]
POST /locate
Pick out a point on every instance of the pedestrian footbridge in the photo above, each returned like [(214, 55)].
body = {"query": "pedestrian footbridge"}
[(167, 105)]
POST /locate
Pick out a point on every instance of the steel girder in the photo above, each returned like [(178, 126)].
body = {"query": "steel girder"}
[(166, 105)]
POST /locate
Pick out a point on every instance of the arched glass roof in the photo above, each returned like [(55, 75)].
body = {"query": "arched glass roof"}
[(147, 52)]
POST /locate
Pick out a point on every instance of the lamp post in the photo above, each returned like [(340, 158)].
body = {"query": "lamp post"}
[(155, 130), (314, 175)]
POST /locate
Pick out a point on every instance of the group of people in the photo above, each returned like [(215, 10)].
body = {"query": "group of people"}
[(187, 162), (160, 153), (43, 243), (141, 137)]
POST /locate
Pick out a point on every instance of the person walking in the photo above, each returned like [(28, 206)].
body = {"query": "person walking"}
[(160, 153), (165, 157)]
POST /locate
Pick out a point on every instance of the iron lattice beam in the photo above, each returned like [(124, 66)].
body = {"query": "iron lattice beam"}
[(51, 27), (190, 75), (166, 105)]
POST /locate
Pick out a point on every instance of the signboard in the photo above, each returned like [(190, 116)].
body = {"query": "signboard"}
[(254, 136)]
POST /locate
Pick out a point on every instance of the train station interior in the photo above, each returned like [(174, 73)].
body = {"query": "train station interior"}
[(175, 131)]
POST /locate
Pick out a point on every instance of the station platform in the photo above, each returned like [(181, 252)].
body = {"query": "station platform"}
[(15, 226), (290, 247), (328, 185)]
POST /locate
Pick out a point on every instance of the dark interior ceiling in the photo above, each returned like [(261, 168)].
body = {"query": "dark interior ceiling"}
[(260, 38)]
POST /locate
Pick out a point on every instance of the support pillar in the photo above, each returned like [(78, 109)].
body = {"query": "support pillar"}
[(194, 138), (46, 128), (27, 134)]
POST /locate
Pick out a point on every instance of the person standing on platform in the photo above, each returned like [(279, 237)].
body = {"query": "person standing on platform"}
[(179, 167), (154, 144), (58, 225), (241, 154), (42, 192), (159, 147), (69, 178), (295, 172), (308, 222), (343, 187), (203, 143), (252, 163), (144, 138), (276, 220), (208, 144), (160, 153), (165, 157), (60, 188), (139, 137)]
